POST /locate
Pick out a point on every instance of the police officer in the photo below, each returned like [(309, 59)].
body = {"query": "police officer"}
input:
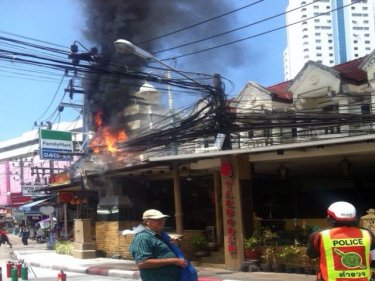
[(345, 250)]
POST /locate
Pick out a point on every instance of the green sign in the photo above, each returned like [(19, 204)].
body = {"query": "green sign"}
[(55, 145)]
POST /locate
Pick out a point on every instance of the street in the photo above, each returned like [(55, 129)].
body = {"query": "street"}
[(47, 264), (42, 273)]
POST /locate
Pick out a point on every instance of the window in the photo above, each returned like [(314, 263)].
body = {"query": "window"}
[(365, 109)]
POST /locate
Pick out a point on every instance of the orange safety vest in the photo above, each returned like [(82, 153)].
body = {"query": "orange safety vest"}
[(345, 254)]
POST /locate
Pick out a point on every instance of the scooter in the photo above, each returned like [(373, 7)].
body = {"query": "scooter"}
[(41, 238)]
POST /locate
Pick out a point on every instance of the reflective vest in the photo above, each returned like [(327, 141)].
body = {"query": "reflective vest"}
[(345, 254)]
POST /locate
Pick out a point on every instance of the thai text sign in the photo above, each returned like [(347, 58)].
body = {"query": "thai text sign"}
[(55, 145)]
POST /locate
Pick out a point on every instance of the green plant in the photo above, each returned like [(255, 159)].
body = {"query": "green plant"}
[(252, 242), (292, 255), (199, 242), (64, 247), (268, 255), (269, 237)]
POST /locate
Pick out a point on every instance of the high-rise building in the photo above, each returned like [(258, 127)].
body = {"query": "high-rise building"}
[(327, 31)]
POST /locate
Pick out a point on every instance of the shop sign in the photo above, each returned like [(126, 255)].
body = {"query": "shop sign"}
[(226, 171), (60, 178), (18, 199), (55, 145), (65, 196), (33, 189)]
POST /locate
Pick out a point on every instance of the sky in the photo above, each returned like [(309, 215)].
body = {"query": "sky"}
[(30, 97)]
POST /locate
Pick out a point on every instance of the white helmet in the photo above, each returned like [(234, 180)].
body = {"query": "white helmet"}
[(342, 211)]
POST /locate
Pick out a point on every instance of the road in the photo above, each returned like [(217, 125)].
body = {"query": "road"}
[(43, 274), (38, 254)]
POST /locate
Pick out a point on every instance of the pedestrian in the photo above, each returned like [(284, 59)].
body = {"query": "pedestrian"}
[(4, 238), (157, 256), (345, 250), (25, 233)]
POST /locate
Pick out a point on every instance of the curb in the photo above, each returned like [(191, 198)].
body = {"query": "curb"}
[(91, 270)]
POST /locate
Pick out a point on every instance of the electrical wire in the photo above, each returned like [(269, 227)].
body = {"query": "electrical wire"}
[(201, 22), (259, 34)]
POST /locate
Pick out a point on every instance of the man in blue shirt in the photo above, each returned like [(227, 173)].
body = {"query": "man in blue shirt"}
[(153, 255)]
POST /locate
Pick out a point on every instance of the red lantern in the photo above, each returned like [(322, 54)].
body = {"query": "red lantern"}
[(226, 169)]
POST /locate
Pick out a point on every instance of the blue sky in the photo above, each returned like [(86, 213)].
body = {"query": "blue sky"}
[(28, 99)]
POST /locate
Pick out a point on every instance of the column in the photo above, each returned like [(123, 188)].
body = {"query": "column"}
[(235, 177), (177, 199)]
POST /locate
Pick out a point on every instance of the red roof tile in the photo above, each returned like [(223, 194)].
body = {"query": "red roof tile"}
[(350, 70), (279, 90)]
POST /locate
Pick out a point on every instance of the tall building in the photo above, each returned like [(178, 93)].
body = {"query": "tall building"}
[(327, 31)]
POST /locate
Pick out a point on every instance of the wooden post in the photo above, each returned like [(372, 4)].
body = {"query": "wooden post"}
[(218, 208), (177, 199)]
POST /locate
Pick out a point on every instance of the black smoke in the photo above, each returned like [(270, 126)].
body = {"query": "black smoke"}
[(140, 21)]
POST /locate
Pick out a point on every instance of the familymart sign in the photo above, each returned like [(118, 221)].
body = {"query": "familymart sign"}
[(55, 145)]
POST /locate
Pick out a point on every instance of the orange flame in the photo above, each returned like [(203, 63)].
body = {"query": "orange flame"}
[(104, 139)]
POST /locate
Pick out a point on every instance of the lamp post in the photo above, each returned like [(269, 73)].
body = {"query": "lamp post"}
[(127, 47)]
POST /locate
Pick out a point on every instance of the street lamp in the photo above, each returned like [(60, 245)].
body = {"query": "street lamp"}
[(127, 47)]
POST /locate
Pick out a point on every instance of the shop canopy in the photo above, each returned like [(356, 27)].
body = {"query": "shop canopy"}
[(28, 206)]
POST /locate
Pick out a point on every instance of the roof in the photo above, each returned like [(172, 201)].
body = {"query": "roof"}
[(351, 70), (280, 90)]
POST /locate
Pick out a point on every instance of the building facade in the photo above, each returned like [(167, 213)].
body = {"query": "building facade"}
[(23, 172), (328, 32)]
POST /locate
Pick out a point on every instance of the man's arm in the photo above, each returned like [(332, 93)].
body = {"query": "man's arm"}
[(154, 263), (312, 250)]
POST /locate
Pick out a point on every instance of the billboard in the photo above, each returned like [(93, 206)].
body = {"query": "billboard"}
[(55, 145)]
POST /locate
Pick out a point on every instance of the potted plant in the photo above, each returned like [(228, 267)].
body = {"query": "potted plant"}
[(269, 261), (291, 256), (200, 245), (250, 247)]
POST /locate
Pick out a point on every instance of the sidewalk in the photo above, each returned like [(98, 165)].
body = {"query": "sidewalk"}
[(37, 255)]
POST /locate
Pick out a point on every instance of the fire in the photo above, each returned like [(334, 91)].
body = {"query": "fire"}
[(105, 139)]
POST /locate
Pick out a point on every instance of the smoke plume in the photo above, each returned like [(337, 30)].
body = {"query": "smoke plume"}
[(139, 21)]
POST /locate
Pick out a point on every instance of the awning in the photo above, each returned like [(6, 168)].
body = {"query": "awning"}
[(27, 207)]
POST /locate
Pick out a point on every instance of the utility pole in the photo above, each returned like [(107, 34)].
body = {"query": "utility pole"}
[(171, 111), (221, 111)]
